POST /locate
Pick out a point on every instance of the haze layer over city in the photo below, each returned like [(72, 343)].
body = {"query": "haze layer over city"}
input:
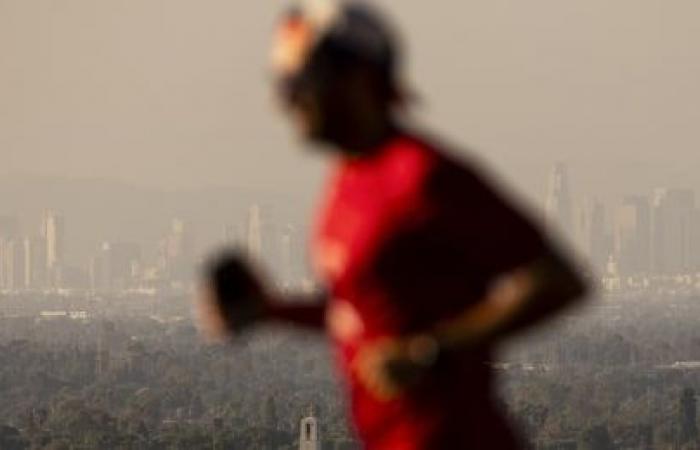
[(136, 138)]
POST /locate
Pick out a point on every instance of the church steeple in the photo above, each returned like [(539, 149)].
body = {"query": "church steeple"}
[(308, 431)]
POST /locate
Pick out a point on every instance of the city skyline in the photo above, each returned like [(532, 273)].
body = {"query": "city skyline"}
[(37, 262), (644, 234)]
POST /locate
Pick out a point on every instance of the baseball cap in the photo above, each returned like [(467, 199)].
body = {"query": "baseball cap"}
[(345, 31)]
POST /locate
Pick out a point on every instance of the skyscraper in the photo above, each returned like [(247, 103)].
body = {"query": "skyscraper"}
[(3, 251), (600, 238), (53, 231), (673, 231), (12, 267), (286, 257), (113, 265), (100, 270), (632, 235), (177, 251), (8, 232), (254, 241), (592, 236), (34, 262), (558, 199)]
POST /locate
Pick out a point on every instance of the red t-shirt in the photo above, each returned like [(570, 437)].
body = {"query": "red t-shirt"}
[(407, 238)]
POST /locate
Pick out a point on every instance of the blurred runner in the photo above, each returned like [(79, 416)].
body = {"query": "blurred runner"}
[(427, 266)]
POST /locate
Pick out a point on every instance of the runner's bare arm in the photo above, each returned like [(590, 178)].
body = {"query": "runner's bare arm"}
[(308, 311), (520, 299), (517, 300)]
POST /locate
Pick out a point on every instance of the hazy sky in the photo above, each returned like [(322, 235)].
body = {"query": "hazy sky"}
[(173, 93)]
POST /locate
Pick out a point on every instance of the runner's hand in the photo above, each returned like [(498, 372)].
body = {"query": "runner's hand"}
[(209, 318), (230, 300), (390, 366)]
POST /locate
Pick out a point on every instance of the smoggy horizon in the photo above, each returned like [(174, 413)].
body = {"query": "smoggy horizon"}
[(173, 95)]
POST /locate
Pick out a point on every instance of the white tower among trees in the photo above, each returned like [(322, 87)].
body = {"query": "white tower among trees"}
[(308, 433)]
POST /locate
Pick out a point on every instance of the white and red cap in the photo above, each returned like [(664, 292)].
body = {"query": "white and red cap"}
[(351, 28)]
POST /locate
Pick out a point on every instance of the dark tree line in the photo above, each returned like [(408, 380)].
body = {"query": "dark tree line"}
[(618, 376)]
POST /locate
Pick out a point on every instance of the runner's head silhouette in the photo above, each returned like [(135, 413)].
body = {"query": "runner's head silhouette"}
[(336, 68)]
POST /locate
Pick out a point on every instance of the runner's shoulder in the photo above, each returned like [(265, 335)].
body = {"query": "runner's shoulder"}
[(446, 172)]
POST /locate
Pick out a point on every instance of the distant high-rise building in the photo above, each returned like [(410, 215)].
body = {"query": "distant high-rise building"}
[(3, 251), (592, 235), (100, 270), (558, 207), (177, 251), (181, 240), (12, 265), (269, 242), (8, 232), (126, 259), (34, 262), (695, 238), (113, 266), (53, 232), (673, 231), (600, 238), (286, 256), (633, 235), (254, 241), (309, 438)]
